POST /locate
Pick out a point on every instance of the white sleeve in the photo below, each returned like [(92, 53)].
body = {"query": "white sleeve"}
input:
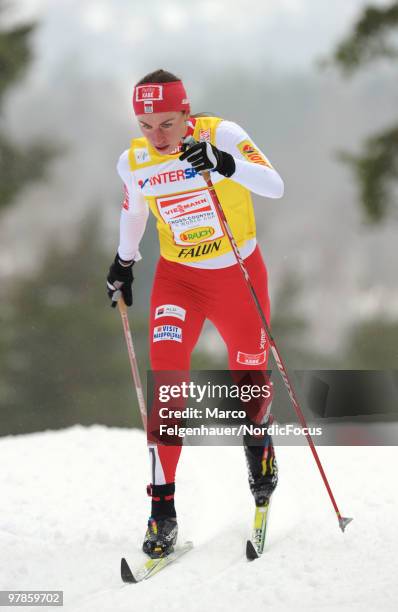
[(134, 214), (253, 170)]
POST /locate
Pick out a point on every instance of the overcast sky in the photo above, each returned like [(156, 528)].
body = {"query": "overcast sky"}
[(123, 38)]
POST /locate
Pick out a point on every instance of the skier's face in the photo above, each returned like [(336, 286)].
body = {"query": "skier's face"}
[(164, 130)]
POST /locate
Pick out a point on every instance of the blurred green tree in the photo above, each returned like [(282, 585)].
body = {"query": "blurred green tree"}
[(290, 328), (372, 344), (63, 358), (62, 354), (18, 166), (374, 36)]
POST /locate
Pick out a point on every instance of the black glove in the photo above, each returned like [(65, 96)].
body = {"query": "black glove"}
[(121, 278), (204, 156)]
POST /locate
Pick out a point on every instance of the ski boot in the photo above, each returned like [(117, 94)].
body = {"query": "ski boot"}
[(262, 469), (160, 537), (263, 478), (162, 531)]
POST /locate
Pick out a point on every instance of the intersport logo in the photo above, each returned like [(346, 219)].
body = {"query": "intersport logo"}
[(168, 177)]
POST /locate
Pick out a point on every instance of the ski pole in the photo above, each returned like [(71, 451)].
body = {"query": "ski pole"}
[(343, 521), (132, 357)]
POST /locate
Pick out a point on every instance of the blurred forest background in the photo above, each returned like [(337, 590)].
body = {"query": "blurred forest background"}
[(314, 83)]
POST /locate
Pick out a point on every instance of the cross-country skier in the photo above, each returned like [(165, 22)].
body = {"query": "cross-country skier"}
[(197, 276)]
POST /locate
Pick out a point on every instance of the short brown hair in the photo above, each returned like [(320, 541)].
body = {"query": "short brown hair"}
[(159, 76)]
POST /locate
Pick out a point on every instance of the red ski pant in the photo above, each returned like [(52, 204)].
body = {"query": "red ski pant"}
[(182, 298)]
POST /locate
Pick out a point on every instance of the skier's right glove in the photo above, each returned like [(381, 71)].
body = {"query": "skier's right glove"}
[(120, 278)]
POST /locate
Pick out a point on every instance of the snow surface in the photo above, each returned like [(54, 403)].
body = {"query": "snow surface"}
[(73, 502)]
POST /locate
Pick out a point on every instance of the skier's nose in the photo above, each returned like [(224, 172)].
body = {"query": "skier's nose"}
[(158, 137)]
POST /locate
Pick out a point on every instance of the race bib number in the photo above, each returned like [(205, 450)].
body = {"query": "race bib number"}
[(192, 217)]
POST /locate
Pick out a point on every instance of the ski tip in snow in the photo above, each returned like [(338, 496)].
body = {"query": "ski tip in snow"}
[(126, 573), (343, 522), (152, 566), (251, 552)]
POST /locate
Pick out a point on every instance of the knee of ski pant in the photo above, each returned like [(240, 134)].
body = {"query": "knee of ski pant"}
[(169, 353)]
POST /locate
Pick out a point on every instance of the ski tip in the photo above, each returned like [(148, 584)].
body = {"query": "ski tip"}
[(126, 573), (251, 552), (343, 522)]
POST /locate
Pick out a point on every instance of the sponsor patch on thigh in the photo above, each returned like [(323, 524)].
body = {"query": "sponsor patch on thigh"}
[(251, 358), (167, 332), (170, 310)]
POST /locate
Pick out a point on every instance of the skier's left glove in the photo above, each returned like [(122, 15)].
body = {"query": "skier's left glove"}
[(120, 278), (204, 156)]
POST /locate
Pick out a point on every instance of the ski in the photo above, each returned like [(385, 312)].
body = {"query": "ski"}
[(255, 546), (152, 566)]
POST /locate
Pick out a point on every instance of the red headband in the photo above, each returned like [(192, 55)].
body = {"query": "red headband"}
[(160, 98)]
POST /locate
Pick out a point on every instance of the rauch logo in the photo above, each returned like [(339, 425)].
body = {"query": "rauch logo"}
[(197, 234)]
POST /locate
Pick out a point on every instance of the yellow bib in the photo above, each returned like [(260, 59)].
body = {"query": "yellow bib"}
[(187, 221)]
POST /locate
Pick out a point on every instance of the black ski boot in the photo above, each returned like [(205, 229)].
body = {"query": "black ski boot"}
[(160, 537), (262, 468), (162, 531)]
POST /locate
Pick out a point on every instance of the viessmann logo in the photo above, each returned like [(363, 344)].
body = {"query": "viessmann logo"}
[(198, 234), (169, 177)]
